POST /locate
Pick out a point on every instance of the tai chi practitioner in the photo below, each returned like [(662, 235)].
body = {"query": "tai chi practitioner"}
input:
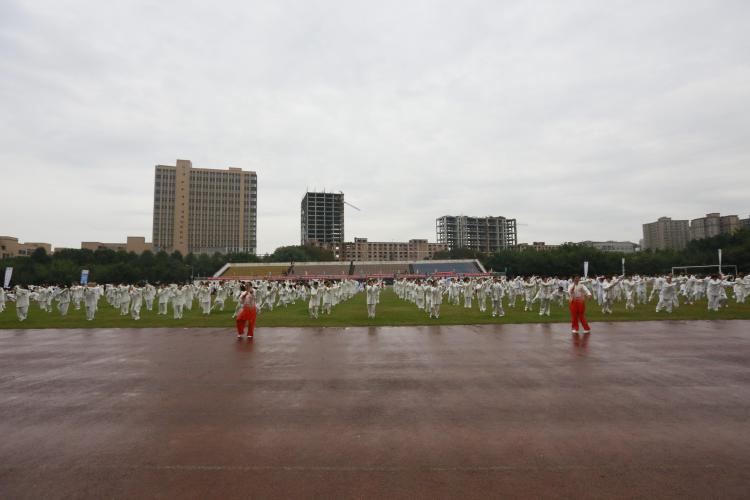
[(497, 291), (123, 295), (163, 295), (372, 293), (188, 297), (436, 299), (2, 300), (76, 296), (545, 296), (204, 299), (90, 298), (667, 295), (271, 294), (248, 312), (22, 302), (468, 291), (579, 294), (713, 291), (481, 294), (419, 297), (640, 289), (658, 283), (136, 302), (529, 289), (454, 292), (513, 292), (221, 297), (63, 301), (178, 301), (149, 293), (607, 296), (314, 303), (327, 298), (628, 289)]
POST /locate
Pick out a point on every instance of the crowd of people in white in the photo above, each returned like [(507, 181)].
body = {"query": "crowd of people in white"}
[(321, 297), (536, 293), (539, 293)]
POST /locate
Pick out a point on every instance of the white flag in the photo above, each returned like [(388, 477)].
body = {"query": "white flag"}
[(8, 274)]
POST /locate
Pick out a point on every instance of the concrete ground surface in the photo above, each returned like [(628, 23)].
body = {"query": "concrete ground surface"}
[(635, 410)]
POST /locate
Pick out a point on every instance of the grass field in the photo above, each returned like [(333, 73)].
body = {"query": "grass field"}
[(391, 312)]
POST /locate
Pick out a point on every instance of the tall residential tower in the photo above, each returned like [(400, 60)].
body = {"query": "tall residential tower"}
[(201, 210)]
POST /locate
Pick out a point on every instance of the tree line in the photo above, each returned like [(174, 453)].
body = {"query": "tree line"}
[(567, 259), (109, 266)]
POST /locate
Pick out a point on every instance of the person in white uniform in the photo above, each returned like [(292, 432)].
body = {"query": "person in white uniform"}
[(372, 292), (21, 296), (63, 297), (90, 298), (136, 302), (667, 295), (497, 292)]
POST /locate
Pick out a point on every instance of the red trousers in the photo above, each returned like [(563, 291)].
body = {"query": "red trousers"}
[(247, 315), (578, 313)]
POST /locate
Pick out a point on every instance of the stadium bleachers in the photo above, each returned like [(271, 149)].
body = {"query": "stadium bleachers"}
[(362, 269), (345, 269), (459, 267), (320, 269), (255, 270)]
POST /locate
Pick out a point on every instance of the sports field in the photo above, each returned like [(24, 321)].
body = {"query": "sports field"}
[(391, 311)]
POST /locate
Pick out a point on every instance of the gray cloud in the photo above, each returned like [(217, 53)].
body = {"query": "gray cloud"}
[(581, 119)]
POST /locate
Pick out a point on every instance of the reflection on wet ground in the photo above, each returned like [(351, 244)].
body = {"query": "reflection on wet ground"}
[(635, 410)]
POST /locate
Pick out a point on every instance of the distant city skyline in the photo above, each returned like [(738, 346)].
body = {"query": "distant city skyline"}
[(582, 121)]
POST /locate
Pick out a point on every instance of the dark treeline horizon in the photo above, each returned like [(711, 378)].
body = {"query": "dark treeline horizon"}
[(108, 266)]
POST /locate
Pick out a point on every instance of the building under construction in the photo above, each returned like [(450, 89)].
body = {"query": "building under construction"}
[(323, 219), (483, 234)]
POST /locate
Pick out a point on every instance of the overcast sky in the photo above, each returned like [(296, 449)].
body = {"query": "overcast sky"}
[(581, 119)]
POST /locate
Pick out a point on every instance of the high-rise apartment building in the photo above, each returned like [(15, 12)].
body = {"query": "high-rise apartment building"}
[(323, 219), (201, 210), (666, 234), (484, 234), (713, 224)]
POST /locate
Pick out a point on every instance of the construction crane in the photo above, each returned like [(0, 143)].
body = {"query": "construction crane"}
[(347, 203)]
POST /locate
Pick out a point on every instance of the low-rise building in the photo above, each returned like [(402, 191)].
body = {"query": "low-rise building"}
[(136, 244), (613, 246), (417, 249), (11, 247), (539, 246)]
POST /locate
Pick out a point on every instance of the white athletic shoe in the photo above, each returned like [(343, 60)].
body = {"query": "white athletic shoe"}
[(574, 331), (587, 331)]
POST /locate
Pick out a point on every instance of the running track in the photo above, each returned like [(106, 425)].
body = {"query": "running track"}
[(636, 410)]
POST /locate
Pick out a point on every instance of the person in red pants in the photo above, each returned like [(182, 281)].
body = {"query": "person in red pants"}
[(247, 313), (579, 294)]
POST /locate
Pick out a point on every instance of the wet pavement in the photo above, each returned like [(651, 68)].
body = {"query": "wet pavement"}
[(636, 410)]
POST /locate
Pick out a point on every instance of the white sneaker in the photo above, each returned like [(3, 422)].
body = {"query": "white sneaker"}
[(587, 331), (574, 331)]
